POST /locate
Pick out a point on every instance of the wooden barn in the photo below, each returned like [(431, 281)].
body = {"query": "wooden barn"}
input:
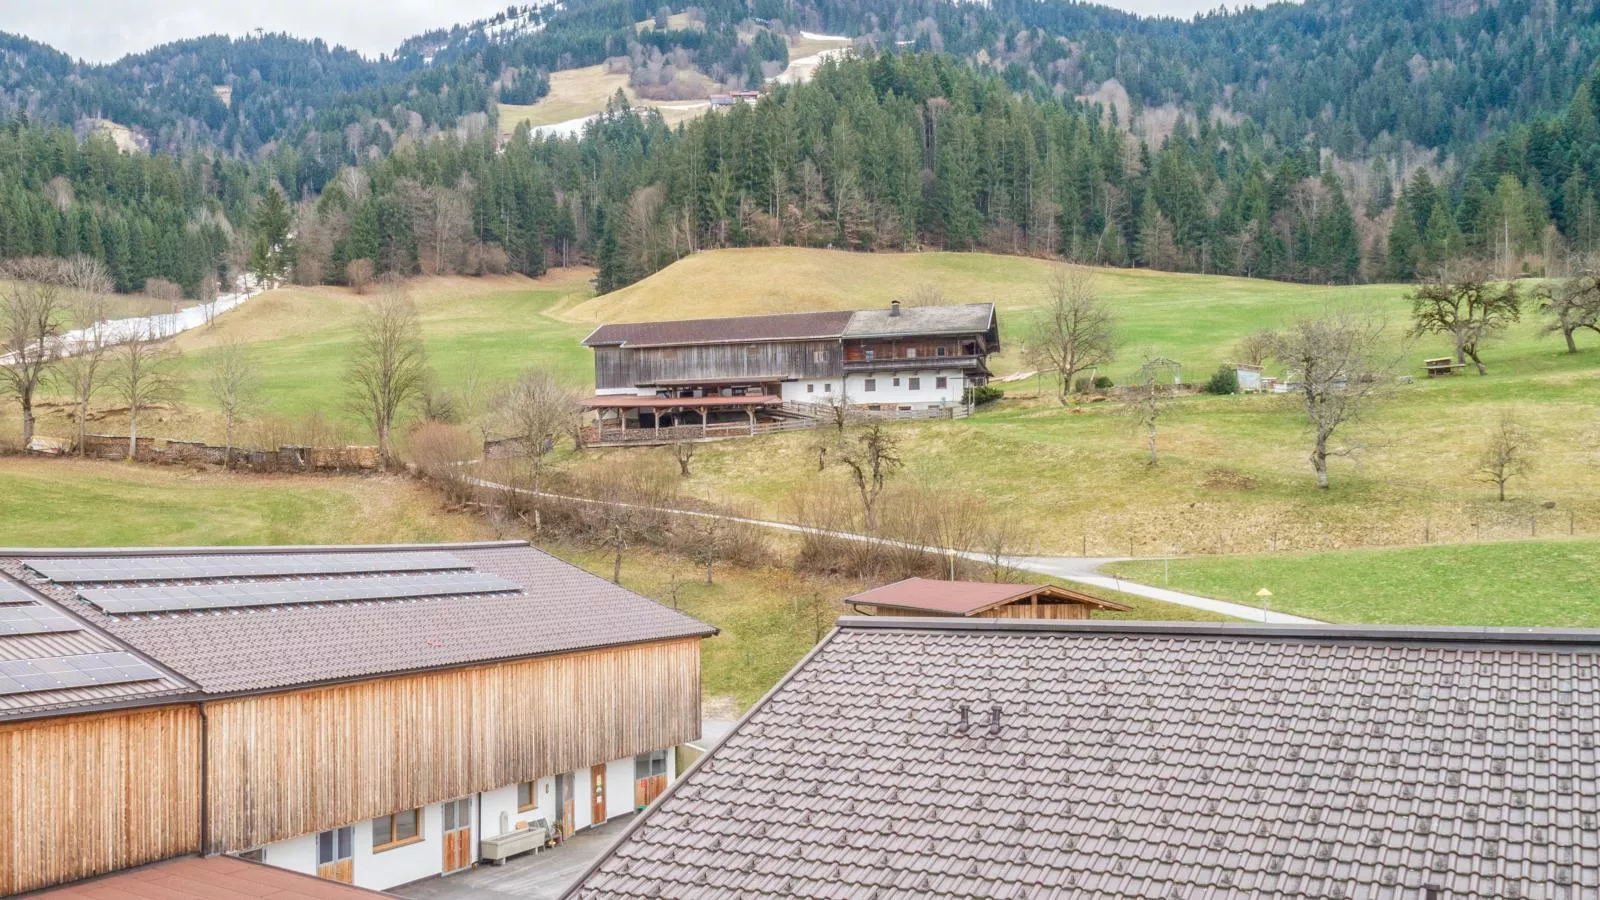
[(368, 715), (660, 381), (978, 600)]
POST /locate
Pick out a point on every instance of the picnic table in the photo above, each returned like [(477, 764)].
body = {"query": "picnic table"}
[(1444, 365)]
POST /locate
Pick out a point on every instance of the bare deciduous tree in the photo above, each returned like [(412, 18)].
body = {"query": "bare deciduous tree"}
[(1255, 348), (683, 451), (144, 373), (1338, 361), (1468, 308), (31, 308), (1507, 454), (1075, 332), (871, 459), (233, 382), (529, 416), (440, 451), (1571, 306), (388, 366), (82, 367), (1146, 401), (358, 274)]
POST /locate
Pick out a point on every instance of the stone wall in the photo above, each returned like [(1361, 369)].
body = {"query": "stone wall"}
[(283, 459)]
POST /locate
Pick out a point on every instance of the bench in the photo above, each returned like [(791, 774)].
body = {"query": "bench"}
[(1444, 365)]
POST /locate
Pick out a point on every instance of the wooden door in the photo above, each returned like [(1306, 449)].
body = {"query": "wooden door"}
[(336, 855), (457, 816), (597, 811), (566, 807)]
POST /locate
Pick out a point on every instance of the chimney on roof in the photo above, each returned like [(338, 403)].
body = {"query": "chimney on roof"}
[(994, 721), (894, 307)]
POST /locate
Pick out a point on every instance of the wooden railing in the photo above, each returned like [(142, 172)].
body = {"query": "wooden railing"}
[(672, 434)]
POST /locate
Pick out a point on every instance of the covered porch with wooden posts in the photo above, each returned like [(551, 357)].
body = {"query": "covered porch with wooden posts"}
[(633, 420)]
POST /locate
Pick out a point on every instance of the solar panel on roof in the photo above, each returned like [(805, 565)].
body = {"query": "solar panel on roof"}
[(90, 570), (176, 598), (22, 676), (35, 619), (10, 593)]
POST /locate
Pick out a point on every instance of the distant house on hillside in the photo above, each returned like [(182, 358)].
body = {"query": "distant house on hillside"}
[(739, 372), (369, 715), (982, 758), (978, 599)]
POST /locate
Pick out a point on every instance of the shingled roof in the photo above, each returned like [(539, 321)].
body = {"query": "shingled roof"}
[(980, 758), (967, 598), (964, 318), (536, 605), (734, 329)]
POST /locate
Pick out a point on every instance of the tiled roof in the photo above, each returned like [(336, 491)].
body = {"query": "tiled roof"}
[(1181, 760), (964, 598), (781, 327), (560, 608), (210, 878), (966, 318)]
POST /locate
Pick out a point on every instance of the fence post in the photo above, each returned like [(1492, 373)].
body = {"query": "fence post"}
[(1533, 526)]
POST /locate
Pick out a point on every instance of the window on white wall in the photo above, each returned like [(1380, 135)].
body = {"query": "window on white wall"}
[(811, 389), (527, 796), (827, 388), (871, 384), (334, 847), (397, 830), (915, 384), (941, 382), (646, 765), (897, 382)]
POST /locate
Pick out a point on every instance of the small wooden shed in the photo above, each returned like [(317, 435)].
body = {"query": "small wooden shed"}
[(978, 599)]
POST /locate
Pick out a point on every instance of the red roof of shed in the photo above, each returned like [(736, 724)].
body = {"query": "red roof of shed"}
[(965, 598), (209, 878)]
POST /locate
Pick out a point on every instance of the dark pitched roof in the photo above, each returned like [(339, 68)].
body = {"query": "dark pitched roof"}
[(556, 608), (966, 598), (781, 327), (51, 654), (966, 318), (211, 878), (1143, 759)]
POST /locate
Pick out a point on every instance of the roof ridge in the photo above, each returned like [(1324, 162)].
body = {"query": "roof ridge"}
[(262, 549), (1478, 634)]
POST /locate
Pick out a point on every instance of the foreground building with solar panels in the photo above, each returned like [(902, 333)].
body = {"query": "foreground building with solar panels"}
[(369, 715)]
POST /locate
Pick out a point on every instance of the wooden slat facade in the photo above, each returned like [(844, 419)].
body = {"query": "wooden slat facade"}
[(87, 794), (618, 367), (288, 764)]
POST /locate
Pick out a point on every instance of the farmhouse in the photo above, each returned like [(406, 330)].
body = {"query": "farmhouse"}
[(732, 375), (958, 757), (980, 599), (370, 715)]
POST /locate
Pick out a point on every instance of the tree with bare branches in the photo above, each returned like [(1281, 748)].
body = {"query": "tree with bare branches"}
[(1336, 364), (1507, 453), (1467, 308), (1571, 306), (82, 367), (1146, 401), (233, 382), (388, 367), (871, 459), (143, 374), (1076, 331), (32, 304), (683, 452)]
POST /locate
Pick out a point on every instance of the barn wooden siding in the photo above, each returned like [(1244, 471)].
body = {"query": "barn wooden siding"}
[(289, 764), (617, 367), (88, 794)]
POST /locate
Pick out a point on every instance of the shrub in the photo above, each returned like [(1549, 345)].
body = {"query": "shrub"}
[(1101, 382), (983, 393), (1224, 381)]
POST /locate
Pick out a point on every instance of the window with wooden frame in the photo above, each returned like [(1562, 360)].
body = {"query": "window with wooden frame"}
[(941, 382), (941, 350), (398, 830), (527, 796), (897, 382), (914, 384), (871, 384)]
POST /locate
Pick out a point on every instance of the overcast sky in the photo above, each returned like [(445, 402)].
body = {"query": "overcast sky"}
[(102, 30)]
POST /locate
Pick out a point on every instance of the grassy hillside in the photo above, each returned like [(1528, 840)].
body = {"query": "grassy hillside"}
[(67, 503), (1549, 583)]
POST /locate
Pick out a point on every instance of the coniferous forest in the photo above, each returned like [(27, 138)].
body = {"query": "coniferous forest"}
[(1373, 142)]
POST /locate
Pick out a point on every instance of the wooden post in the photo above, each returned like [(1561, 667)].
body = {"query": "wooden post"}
[(751, 412), (705, 420)]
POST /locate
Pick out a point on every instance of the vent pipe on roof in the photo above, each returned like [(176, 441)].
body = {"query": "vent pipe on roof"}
[(994, 721), (894, 307)]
